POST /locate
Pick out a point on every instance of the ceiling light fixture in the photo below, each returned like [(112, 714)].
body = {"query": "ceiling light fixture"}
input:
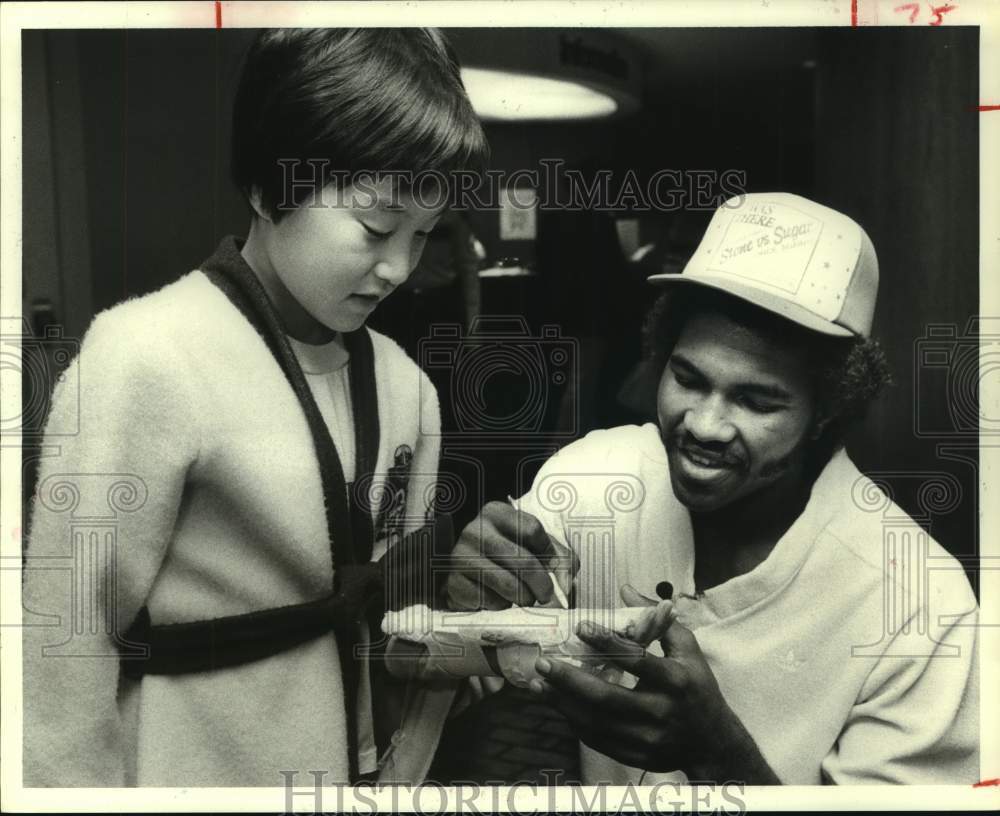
[(547, 74), (506, 96)]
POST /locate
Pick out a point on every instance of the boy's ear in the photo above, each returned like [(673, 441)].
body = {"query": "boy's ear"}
[(256, 202)]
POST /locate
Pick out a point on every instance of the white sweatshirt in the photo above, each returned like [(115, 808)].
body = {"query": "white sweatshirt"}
[(849, 654)]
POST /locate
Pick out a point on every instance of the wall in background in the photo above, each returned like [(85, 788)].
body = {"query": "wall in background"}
[(156, 111), (898, 149), (126, 164)]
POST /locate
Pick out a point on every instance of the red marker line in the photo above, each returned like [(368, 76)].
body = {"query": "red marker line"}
[(988, 783), (218, 14), (987, 107), (854, 13)]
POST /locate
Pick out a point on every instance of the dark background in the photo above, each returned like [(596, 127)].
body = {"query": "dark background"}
[(126, 187)]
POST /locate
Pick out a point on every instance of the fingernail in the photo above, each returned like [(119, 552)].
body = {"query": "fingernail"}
[(536, 686), (543, 666)]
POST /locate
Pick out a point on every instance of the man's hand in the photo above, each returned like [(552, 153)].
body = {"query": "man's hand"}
[(502, 559), (674, 719)]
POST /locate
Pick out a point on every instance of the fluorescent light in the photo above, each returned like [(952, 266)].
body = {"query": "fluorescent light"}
[(508, 96)]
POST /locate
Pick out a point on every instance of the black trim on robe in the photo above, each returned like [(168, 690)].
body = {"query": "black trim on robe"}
[(230, 641)]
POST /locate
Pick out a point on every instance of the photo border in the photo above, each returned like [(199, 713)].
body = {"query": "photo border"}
[(15, 17)]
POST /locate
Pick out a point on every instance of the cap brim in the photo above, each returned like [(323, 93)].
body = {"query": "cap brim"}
[(772, 303)]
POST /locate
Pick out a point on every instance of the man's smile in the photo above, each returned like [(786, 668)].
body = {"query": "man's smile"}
[(704, 458), (694, 466)]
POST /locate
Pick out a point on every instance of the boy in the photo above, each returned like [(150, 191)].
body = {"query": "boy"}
[(239, 405)]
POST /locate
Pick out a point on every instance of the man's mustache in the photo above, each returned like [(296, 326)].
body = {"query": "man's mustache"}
[(718, 454)]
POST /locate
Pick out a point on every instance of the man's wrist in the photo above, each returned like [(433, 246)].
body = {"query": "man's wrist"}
[(732, 757)]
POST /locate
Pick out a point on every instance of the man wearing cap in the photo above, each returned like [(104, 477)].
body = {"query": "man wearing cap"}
[(812, 642)]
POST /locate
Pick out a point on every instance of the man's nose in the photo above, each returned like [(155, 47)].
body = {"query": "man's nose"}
[(708, 420)]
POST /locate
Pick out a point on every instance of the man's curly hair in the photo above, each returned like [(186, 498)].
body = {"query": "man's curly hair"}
[(849, 373)]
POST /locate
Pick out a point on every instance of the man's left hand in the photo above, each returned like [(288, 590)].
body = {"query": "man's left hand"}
[(674, 719)]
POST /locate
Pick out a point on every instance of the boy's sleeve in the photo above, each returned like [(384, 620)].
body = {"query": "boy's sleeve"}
[(408, 560), (916, 721), (422, 489), (102, 519)]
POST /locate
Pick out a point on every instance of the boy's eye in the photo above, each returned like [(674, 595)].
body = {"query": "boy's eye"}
[(374, 232)]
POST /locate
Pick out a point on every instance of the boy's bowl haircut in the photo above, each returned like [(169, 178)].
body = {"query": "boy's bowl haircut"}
[(313, 105)]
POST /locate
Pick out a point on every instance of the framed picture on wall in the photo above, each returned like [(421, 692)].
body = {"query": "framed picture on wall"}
[(518, 214)]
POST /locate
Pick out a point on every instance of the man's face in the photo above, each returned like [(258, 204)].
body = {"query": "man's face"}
[(735, 409)]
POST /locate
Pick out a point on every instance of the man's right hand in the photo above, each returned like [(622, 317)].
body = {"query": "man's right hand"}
[(502, 559)]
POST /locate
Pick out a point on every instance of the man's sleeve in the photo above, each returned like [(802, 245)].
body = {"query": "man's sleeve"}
[(478, 688), (916, 721), (554, 487), (584, 496), (547, 493), (102, 520)]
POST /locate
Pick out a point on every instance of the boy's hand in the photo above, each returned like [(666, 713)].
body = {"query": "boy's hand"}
[(674, 719), (502, 558)]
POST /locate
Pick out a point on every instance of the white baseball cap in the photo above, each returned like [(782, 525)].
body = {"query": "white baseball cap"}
[(791, 256)]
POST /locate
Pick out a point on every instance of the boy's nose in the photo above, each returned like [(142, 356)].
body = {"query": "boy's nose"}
[(392, 271)]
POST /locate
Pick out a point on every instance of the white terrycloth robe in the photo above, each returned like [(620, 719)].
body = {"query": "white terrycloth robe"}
[(181, 402)]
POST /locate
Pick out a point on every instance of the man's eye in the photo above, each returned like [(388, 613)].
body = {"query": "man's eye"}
[(759, 407), (684, 380), (374, 232)]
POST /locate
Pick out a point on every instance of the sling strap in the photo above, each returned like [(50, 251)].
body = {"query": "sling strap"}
[(182, 648), (237, 639)]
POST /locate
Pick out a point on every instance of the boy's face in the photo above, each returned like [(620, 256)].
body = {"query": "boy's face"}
[(342, 251), (735, 410)]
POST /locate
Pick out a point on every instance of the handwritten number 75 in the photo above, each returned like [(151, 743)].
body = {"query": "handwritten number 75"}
[(937, 12)]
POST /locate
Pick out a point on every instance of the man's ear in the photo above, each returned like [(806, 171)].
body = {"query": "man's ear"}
[(819, 425), (256, 201)]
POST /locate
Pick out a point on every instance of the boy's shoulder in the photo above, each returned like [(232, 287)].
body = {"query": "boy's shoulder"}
[(190, 312), (393, 357)]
